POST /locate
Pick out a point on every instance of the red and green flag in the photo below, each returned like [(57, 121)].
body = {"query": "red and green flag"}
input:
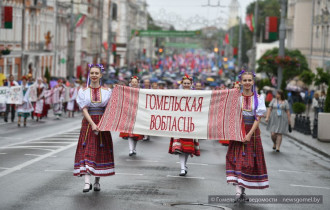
[(80, 20), (7, 18), (249, 20)]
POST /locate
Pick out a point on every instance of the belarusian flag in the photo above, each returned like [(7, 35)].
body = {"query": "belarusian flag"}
[(80, 19), (227, 38), (249, 20)]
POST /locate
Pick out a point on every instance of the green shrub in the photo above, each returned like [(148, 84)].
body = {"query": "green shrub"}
[(327, 101), (298, 107)]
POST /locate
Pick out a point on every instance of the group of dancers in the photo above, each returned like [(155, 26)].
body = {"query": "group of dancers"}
[(38, 98), (245, 162)]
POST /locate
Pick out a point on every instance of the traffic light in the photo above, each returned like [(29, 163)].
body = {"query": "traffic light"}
[(160, 50), (216, 50), (225, 59)]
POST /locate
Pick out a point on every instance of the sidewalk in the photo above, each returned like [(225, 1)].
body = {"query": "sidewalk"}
[(322, 148)]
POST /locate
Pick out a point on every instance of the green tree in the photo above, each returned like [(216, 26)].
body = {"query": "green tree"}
[(47, 75), (327, 102), (293, 64), (322, 77), (307, 77)]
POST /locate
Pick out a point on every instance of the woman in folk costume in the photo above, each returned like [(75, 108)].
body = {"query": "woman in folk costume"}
[(24, 109), (132, 138), (94, 153), (181, 146), (245, 162), (58, 98), (39, 105), (71, 103)]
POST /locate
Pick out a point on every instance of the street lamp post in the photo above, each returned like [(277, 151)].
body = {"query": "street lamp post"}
[(281, 51), (254, 51)]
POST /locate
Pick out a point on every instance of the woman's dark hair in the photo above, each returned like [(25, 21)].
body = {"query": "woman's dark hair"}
[(281, 94)]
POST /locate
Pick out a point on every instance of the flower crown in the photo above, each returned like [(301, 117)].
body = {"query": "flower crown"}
[(98, 65), (186, 76), (135, 77), (246, 72)]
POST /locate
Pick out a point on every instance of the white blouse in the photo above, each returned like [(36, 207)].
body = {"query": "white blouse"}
[(247, 104), (93, 97)]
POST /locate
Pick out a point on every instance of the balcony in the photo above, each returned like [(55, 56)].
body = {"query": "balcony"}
[(321, 19)]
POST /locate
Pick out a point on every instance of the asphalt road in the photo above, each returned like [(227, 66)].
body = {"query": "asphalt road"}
[(36, 165)]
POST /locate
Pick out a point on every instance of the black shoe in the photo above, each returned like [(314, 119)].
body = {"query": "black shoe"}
[(244, 198), (277, 150), (130, 153), (97, 187), (18, 124), (134, 152), (274, 148), (6, 120), (87, 190)]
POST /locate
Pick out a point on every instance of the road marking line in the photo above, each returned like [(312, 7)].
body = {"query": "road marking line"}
[(3, 153), (5, 137), (151, 161), (128, 174), (58, 170), (42, 137), (200, 164), (187, 177), (18, 167), (33, 155), (51, 150), (294, 185), (15, 147), (291, 171), (49, 142), (4, 168)]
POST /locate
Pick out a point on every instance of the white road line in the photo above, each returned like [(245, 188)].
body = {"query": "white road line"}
[(20, 147), (5, 137), (3, 153), (51, 150), (58, 170), (4, 168), (294, 185), (33, 155), (186, 177), (48, 142), (150, 161), (290, 171), (30, 162), (128, 174), (43, 137), (200, 164)]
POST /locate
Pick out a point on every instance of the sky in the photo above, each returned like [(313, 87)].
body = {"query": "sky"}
[(182, 13)]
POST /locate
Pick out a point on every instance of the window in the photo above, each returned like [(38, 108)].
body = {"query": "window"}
[(114, 11)]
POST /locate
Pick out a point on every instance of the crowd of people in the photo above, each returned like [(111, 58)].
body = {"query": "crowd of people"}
[(40, 96), (245, 162)]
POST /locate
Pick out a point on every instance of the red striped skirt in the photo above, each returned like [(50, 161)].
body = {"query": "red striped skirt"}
[(245, 162), (94, 154), (188, 146), (136, 137)]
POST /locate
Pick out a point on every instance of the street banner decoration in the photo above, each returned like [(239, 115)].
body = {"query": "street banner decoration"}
[(249, 20), (159, 33), (33, 93), (15, 95), (80, 20), (4, 91), (175, 113), (271, 28)]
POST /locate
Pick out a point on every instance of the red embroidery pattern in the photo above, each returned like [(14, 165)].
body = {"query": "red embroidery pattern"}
[(96, 95), (247, 103)]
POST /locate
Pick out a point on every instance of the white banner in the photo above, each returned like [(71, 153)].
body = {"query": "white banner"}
[(15, 95), (4, 91), (33, 93)]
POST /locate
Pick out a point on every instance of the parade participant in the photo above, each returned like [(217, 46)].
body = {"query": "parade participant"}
[(132, 138), (47, 98), (199, 85), (94, 153), (154, 85), (58, 94), (71, 103), (24, 109), (146, 84), (39, 105), (181, 146), (278, 118), (10, 107), (245, 162)]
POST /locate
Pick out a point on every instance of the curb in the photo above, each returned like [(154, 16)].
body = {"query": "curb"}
[(305, 144)]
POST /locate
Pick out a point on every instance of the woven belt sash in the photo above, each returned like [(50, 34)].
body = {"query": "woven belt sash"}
[(96, 110), (248, 119)]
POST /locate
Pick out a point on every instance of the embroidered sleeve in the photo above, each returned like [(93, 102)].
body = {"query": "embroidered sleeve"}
[(82, 101), (261, 110)]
